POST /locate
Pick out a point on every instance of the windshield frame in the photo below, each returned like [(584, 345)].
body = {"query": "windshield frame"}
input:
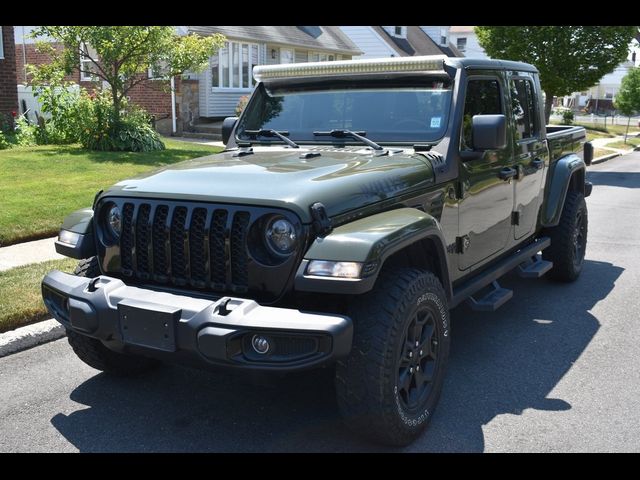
[(389, 83)]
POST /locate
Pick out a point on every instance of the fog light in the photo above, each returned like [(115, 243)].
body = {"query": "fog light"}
[(260, 344)]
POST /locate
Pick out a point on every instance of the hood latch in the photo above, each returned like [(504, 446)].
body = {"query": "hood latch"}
[(321, 222)]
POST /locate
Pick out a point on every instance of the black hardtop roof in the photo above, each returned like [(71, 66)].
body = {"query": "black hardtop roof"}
[(489, 64)]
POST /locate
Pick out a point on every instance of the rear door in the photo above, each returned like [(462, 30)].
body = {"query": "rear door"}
[(531, 155), (487, 200)]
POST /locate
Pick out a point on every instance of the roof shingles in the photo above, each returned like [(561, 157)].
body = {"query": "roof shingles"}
[(329, 38)]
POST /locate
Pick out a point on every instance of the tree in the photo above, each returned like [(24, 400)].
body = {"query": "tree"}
[(628, 98), (121, 56), (569, 58)]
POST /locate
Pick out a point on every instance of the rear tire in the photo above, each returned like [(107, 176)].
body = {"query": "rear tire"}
[(93, 352), (568, 240), (389, 385)]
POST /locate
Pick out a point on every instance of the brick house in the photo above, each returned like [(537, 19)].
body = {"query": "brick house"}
[(8, 88), (215, 92)]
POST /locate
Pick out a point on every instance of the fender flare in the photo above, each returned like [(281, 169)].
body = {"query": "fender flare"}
[(371, 241), (79, 222), (563, 171)]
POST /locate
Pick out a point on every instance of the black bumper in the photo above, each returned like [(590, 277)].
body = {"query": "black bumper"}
[(192, 330)]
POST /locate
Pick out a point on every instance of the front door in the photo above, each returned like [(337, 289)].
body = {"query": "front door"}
[(530, 154), (487, 200)]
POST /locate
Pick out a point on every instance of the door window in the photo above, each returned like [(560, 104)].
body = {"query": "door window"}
[(482, 98), (523, 109)]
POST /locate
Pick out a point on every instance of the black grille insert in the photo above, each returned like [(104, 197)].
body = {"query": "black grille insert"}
[(196, 245)]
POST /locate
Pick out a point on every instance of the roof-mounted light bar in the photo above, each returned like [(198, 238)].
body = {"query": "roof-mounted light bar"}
[(433, 64)]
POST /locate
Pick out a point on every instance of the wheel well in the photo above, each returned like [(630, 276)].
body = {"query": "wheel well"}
[(576, 182), (421, 254)]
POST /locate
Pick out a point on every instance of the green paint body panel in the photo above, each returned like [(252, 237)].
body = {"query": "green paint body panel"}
[(79, 221), (375, 237), (342, 179)]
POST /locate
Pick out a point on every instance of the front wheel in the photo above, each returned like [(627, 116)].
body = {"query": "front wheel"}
[(390, 384)]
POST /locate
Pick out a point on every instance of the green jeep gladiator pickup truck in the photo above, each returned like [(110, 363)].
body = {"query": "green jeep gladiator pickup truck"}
[(356, 203)]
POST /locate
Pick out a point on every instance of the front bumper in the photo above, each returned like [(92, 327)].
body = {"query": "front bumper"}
[(191, 330)]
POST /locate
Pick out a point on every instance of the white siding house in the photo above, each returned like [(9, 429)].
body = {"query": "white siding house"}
[(369, 41), (465, 39)]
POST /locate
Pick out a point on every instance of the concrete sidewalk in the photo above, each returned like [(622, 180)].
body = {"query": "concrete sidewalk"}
[(203, 141), (27, 253)]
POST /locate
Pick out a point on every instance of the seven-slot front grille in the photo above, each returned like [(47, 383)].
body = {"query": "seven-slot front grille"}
[(198, 245)]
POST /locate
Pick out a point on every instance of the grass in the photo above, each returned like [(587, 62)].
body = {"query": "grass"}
[(20, 297), (601, 152), (40, 185), (632, 142)]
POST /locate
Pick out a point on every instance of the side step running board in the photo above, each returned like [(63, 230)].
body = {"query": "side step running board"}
[(535, 267), (492, 273), (493, 300)]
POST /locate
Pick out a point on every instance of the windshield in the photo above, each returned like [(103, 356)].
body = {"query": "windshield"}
[(386, 113)]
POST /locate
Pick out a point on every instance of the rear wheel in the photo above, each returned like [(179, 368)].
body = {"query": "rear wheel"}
[(93, 352), (568, 240), (389, 385)]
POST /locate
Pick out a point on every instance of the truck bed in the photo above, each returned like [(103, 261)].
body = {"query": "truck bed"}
[(565, 139)]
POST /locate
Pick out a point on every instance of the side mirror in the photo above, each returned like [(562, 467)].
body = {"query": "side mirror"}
[(228, 125), (588, 153), (489, 132)]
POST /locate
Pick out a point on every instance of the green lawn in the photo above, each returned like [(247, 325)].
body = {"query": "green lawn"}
[(20, 297), (632, 142), (40, 185), (601, 152)]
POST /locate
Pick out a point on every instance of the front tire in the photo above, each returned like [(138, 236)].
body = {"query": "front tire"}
[(568, 240), (390, 384), (93, 352)]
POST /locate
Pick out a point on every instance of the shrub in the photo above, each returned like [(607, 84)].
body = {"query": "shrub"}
[(567, 117), (4, 141), (25, 133), (99, 130), (59, 100), (242, 104)]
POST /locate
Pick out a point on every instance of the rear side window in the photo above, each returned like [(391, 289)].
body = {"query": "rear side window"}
[(482, 98), (523, 109)]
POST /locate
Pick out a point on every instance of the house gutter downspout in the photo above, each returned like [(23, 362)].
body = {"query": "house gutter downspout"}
[(173, 106)]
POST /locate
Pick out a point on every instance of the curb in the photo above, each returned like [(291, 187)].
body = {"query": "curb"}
[(30, 336), (605, 158)]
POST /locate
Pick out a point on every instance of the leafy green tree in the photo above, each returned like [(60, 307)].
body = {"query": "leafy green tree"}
[(121, 56), (628, 98), (569, 58)]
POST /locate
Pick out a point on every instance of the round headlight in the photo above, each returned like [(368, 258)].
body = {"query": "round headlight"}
[(281, 236), (114, 221)]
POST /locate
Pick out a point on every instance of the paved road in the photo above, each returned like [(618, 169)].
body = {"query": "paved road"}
[(556, 369)]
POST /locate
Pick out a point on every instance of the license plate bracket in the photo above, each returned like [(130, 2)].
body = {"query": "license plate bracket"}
[(148, 325)]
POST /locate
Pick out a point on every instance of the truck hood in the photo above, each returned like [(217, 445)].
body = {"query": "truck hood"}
[(341, 179)]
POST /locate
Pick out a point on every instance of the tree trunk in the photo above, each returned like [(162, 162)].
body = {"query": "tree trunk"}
[(116, 105), (627, 132), (547, 107)]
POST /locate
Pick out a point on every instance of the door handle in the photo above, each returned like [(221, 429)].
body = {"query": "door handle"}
[(507, 173), (538, 163)]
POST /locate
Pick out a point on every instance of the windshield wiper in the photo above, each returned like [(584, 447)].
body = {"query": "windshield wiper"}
[(349, 133), (273, 133)]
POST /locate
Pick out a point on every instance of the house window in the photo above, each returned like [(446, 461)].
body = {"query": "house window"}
[(443, 37), (321, 57), (86, 65), (1, 45), (398, 31), (461, 44), (233, 66)]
